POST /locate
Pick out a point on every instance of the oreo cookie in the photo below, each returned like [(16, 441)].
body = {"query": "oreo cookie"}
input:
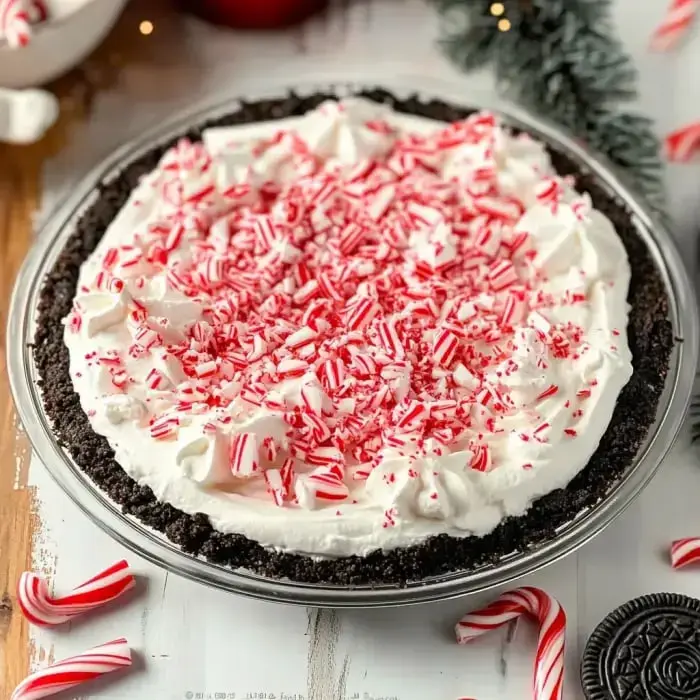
[(647, 649)]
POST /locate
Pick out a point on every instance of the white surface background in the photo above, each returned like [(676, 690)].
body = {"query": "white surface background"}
[(213, 645)]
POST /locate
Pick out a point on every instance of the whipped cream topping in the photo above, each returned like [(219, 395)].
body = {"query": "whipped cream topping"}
[(353, 329)]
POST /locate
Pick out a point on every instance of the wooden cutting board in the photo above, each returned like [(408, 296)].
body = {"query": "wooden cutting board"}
[(20, 198)]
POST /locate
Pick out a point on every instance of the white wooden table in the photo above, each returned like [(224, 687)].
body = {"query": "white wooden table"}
[(197, 643)]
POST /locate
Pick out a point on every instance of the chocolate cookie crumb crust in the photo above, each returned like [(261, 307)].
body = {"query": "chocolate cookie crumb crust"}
[(650, 339)]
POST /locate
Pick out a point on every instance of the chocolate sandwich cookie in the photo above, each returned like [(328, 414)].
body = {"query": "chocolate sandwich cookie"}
[(647, 649)]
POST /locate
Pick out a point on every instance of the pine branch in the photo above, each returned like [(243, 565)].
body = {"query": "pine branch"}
[(561, 58)]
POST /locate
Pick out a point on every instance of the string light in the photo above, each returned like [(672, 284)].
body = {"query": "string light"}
[(498, 9), (146, 27)]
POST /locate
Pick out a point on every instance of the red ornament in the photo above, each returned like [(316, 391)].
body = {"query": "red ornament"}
[(254, 14)]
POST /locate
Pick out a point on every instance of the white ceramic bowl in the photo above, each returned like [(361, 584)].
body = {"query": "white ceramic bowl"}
[(58, 45)]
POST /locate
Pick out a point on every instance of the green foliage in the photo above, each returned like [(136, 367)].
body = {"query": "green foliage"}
[(561, 58)]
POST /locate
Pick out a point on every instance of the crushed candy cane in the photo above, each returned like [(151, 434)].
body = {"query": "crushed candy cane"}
[(387, 309)]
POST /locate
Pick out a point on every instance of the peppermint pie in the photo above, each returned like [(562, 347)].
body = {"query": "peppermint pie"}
[(354, 341)]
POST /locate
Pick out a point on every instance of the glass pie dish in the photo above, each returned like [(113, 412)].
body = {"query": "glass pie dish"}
[(153, 546)]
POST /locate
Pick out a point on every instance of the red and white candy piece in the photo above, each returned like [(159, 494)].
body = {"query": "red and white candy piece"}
[(683, 143), (156, 380), (327, 486), (16, 18), (275, 486), (549, 192), (481, 461), (546, 610), (245, 460), (445, 347), (411, 417), (75, 671), (291, 367), (685, 552), (678, 18), (502, 274), (279, 482), (389, 339), (333, 374), (323, 484), (362, 313), (41, 608), (164, 427)]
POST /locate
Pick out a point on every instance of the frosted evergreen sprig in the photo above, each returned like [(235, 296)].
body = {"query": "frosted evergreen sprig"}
[(562, 59)]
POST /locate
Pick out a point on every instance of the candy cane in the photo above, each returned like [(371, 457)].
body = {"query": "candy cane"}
[(40, 608), (549, 663), (683, 143), (685, 551), (16, 18), (674, 25), (15, 22), (74, 671)]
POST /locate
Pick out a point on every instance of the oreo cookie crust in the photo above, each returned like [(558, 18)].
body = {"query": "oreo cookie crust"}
[(648, 648), (650, 339)]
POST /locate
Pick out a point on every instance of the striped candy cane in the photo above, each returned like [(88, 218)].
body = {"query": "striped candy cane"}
[(16, 18), (683, 143), (74, 671), (678, 18), (41, 609), (549, 662), (685, 551), (15, 21)]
